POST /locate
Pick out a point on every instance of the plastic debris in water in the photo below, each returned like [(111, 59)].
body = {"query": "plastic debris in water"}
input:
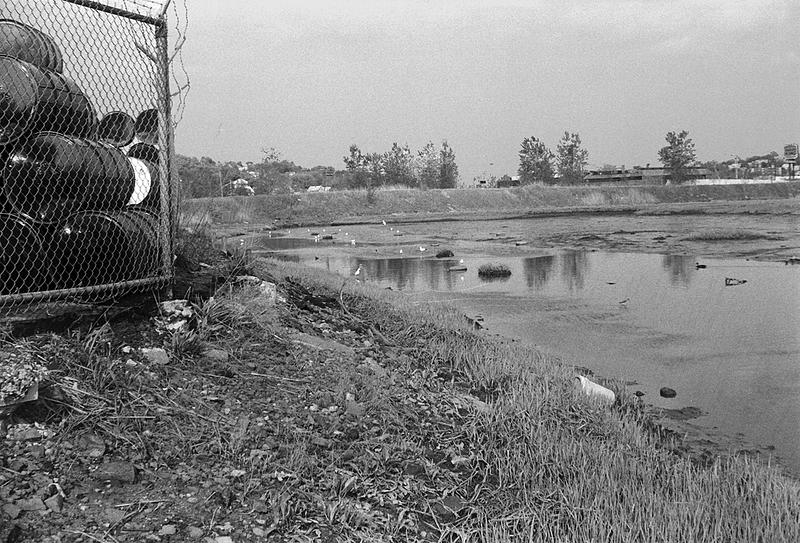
[(595, 392)]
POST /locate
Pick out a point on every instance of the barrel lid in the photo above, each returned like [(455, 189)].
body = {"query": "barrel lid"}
[(15, 41), (116, 128)]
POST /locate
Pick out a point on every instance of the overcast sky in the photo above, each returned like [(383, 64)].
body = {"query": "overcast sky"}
[(310, 78)]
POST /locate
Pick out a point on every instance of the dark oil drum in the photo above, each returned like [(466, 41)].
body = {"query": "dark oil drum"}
[(35, 100), (27, 43), (145, 151), (50, 176), (23, 258), (95, 247), (116, 128), (146, 126)]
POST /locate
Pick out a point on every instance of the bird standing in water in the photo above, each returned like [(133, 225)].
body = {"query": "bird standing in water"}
[(358, 270)]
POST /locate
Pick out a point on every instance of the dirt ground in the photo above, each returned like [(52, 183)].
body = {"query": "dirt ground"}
[(288, 431)]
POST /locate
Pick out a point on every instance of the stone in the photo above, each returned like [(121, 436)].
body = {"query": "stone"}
[(223, 539), (168, 529), (93, 445), (216, 355), (11, 510), (667, 392), (258, 532), (27, 434), (54, 503), (155, 355), (355, 409), (194, 532), (123, 472), (32, 504)]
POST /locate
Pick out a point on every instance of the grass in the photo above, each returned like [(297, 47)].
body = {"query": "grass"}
[(494, 270), (348, 410), (323, 207), (727, 235)]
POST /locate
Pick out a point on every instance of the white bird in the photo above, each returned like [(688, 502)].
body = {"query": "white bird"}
[(401, 251), (461, 261), (422, 249), (352, 242), (384, 223), (358, 270)]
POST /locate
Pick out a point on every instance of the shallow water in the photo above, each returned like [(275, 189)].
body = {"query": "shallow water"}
[(731, 350)]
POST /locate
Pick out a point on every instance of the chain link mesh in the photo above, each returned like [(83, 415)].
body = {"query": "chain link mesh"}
[(84, 147)]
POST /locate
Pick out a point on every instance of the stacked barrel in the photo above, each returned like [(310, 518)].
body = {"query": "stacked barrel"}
[(79, 196)]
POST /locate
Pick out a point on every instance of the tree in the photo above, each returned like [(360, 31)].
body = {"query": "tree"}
[(397, 165), (535, 162), (448, 169), (359, 167), (428, 166), (571, 159), (677, 155)]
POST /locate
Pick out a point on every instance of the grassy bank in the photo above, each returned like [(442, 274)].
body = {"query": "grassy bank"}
[(342, 412), (323, 208)]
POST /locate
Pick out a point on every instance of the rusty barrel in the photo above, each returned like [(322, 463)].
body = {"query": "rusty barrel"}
[(27, 43), (146, 126), (35, 99)]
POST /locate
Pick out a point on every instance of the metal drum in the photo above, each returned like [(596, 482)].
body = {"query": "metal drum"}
[(26, 43), (116, 128), (23, 259), (146, 126), (36, 99), (96, 247), (51, 175)]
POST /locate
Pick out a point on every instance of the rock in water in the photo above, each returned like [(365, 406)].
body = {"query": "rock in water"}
[(667, 392), (595, 392)]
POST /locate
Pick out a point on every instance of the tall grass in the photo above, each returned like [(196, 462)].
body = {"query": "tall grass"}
[(543, 464)]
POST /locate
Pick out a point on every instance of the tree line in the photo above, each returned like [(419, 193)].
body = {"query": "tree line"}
[(429, 167), (426, 168), (567, 166)]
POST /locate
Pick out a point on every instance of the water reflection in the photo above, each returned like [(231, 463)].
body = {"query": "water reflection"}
[(574, 267), (680, 268), (538, 271)]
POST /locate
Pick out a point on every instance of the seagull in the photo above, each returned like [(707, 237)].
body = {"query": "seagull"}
[(461, 261), (384, 223), (352, 242), (401, 251), (422, 249), (358, 270)]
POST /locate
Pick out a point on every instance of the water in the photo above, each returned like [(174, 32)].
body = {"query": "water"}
[(732, 351)]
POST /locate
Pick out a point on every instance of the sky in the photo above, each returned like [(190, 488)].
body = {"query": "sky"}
[(311, 78)]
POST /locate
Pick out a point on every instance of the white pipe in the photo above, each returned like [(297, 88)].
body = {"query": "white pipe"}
[(595, 392)]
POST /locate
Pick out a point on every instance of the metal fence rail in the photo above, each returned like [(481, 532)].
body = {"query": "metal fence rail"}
[(86, 200)]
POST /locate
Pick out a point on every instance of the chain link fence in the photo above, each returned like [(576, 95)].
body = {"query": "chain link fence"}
[(86, 206)]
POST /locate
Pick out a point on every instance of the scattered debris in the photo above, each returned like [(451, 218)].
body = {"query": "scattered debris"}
[(731, 282), (595, 392)]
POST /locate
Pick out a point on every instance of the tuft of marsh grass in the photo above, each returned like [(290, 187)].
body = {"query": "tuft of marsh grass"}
[(494, 270)]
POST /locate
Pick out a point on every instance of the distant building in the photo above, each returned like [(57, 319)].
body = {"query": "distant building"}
[(641, 176)]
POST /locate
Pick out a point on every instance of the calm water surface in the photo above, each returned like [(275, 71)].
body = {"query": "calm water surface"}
[(733, 351)]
